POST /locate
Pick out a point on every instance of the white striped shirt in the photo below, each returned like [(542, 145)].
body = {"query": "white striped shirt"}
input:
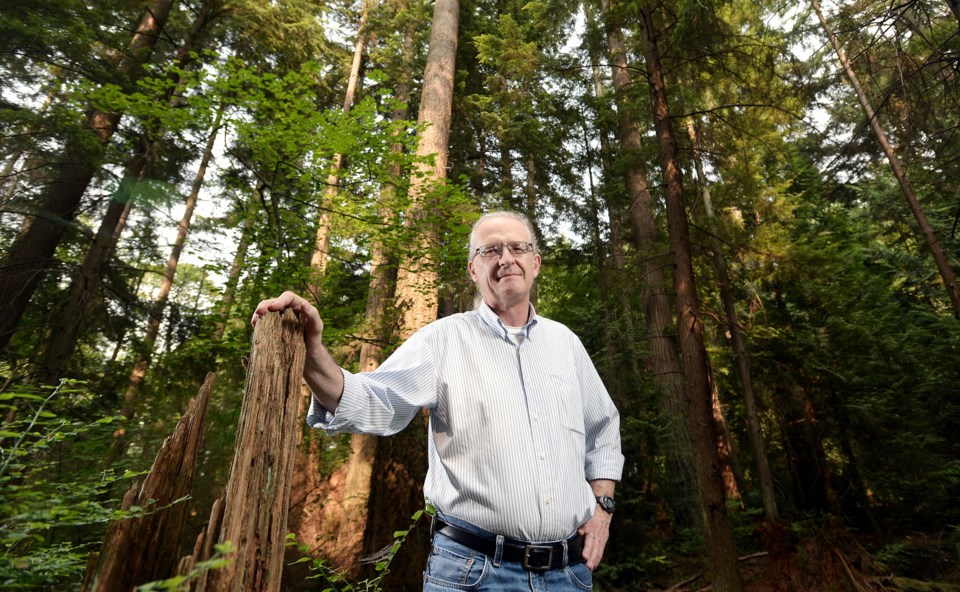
[(516, 431)]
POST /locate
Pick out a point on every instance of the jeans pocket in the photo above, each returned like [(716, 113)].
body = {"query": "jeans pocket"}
[(580, 576), (452, 566)]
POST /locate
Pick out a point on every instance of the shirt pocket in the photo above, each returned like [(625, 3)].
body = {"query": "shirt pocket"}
[(571, 405)]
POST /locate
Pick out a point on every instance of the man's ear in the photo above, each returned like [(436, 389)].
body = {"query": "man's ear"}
[(536, 265), (473, 273)]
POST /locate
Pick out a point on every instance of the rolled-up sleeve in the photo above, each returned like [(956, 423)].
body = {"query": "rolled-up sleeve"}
[(384, 401), (604, 459)]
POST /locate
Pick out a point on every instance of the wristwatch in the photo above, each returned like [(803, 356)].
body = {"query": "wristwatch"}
[(606, 502)]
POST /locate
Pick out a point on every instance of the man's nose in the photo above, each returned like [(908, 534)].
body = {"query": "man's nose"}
[(506, 257)]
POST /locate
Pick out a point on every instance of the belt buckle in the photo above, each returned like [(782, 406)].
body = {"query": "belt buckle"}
[(533, 556)]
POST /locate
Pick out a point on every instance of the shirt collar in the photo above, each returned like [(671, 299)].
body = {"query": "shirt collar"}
[(494, 322)]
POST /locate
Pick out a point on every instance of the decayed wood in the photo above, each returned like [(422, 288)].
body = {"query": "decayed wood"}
[(203, 548), (258, 492), (143, 549)]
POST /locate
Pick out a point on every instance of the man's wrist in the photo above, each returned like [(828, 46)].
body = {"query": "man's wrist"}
[(606, 503)]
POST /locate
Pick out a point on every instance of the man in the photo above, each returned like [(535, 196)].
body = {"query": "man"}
[(524, 441)]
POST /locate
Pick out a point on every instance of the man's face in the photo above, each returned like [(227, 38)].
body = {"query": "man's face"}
[(504, 281)]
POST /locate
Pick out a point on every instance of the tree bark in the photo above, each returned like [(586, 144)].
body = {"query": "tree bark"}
[(401, 460), (233, 279), (929, 236), (721, 551), (33, 250), (611, 378), (346, 530), (143, 549), (661, 359), (618, 309), (258, 492), (955, 9), (379, 329), (85, 287), (156, 311), (417, 277), (729, 469), (757, 443), (318, 261)]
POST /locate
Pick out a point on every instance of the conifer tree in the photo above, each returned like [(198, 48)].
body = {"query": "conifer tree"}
[(32, 251)]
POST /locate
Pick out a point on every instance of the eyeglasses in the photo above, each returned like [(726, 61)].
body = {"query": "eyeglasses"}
[(495, 250)]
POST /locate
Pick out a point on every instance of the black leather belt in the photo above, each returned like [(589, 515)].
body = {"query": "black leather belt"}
[(533, 557)]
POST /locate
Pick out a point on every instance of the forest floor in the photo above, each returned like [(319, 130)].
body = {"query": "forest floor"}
[(833, 560)]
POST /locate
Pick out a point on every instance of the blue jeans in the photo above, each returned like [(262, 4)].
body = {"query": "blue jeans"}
[(452, 566)]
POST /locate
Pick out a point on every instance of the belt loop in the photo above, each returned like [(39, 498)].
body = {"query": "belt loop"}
[(566, 553), (498, 554)]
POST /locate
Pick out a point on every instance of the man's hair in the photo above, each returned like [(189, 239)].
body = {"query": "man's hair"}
[(502, 214)]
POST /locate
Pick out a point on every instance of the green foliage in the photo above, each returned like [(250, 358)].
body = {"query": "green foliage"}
[(53, 508), (219, 560), (837, 297), (919, 557), (337, 581)]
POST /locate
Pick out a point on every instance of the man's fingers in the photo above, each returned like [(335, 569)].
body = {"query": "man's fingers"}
[(593, 549), (595, 536), (286, 300)]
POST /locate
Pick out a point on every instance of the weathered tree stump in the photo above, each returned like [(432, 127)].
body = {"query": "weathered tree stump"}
[(203, 548), (258, 492), (143, 549)]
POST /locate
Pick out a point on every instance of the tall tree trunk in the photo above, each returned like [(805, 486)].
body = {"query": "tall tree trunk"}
[(318, 261), (401, 460), (156, 311), (352, 515), (347, 528), (378, 329), (33, 250), (721, 551), (929, 236), (85, 287), (417, 277), (955, 9), (757, 443), (621, 324), (729, 468), (506, 172), (611, 377), (233, 279), (530, 210), (661, 360)]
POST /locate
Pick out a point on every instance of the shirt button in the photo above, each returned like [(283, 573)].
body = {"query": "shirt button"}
[(536, 418), (543, 456), (548, 500)]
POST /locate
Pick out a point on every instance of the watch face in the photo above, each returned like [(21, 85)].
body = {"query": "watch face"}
[(607, 503)]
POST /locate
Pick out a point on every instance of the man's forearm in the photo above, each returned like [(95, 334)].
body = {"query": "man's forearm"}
[(603, 487), (324, 378)]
